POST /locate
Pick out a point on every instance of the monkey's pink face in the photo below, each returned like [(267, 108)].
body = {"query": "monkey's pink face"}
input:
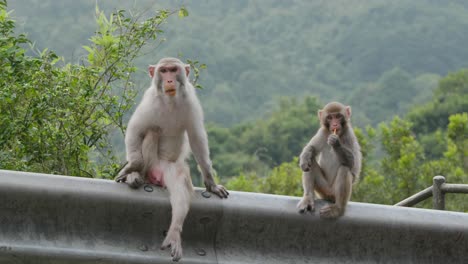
[(334, 122), (168, 75)]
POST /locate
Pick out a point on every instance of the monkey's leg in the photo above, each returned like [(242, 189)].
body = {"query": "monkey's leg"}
[(149, 155), (307, 202), (314, 180), (176, 177), (321, 183), (342, 187), (150, 152)]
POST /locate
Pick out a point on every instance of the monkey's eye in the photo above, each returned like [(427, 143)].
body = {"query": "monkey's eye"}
[(173, 69), (329, 117), (163, 70), (339, 116)]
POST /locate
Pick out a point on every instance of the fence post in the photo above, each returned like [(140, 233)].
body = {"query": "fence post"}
[(438, 196)]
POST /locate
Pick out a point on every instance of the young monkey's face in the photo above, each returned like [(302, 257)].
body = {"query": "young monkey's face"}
[(334, 122), (334, 117)]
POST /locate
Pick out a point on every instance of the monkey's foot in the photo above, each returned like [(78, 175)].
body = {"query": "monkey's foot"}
[(331, 211), (306, 204), (134, 180), (173, 241)]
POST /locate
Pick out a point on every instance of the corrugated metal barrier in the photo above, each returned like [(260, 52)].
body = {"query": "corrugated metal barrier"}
[(58, 219)]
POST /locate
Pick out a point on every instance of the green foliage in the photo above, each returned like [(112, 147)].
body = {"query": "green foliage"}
[(404, 156), (396, 90), (457, 133), (305, 48), (183, 12), (367, 143), (372, 189), (266, 143), (284, 134), (450, 97), (430, 120), (196, 66), (247, 183), (285, 179), (57, 119), (404, 170), (434, 143), (454, 163)]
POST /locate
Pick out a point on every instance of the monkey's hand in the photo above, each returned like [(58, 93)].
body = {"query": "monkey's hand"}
[(133, 179), (217, 189), (305, 161), (122, 177), (127, 169), (130, 175), (334, 140)]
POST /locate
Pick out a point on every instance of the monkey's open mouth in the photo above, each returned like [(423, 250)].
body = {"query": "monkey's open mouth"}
[(170, 91)]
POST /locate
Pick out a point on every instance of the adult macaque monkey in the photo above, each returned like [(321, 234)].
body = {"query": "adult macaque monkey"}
[(168, 116), (331, 161)]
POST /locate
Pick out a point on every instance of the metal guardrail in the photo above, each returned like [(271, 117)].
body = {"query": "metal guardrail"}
[(438, 190), (59, 219)]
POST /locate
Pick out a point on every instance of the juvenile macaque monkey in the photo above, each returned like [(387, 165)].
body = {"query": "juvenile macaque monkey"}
[(167, 120), (331, 162)]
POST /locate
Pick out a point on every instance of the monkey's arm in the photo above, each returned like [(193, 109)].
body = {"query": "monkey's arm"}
[(345, 154), (311, 150), (133, 144), (306, 156), (199, 144)]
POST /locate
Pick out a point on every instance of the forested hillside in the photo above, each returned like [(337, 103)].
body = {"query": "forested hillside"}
[(271, 65), (381, 56)]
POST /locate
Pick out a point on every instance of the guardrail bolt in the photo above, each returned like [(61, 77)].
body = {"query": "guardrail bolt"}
[(201, 252), (143, 248), (206, 194), (5, 248), (148, 188)]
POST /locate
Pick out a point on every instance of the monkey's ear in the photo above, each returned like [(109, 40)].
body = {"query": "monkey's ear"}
[(187, 70), (151, 70), (348, 111), (319, 113)]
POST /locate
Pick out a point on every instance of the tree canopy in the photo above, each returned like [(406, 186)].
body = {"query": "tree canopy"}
[(358, 52)]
